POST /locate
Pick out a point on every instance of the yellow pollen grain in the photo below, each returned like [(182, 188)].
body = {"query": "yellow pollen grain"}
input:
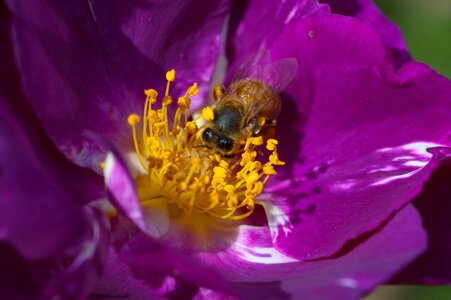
[(208, 114)]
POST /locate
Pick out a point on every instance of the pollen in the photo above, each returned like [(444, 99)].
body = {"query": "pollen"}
[(176, 166), (208, 114)]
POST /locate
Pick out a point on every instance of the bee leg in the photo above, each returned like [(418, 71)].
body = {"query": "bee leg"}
[(268, 130), (218, 92), (271, 123), (255, 126)]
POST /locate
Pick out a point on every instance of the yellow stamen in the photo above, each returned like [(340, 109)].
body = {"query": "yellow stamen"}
[(192, 178), (208, 114), (170, 76), (193, 90)]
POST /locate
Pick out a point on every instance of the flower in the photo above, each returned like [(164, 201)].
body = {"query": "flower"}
[(361, 131)]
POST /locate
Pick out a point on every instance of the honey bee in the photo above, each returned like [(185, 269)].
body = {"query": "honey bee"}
[(250, 105)]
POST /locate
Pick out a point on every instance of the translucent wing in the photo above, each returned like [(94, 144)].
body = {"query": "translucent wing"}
[(276, 74), (280, 73), (252, 67)]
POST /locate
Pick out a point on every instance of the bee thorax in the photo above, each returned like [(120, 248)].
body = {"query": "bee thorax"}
[(228, 119)]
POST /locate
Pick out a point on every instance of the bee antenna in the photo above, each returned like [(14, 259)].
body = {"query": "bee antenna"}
[(200, 146)]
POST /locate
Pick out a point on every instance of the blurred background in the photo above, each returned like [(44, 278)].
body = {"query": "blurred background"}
[(426, 25)]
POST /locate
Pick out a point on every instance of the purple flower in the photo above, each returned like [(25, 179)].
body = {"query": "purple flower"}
[(362, 129)]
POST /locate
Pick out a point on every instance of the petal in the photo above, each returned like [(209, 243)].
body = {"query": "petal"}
[(356, 273), (84, 65), (77, 279), (367, 10), (50, 247), (434, 266), (152, 216), (33, 202), (256, 24), (54, 243), (117, 280), (258, 272), (33, 199), (365, 138), (149, 259), (17, 283), (82, 183), (122, 191)]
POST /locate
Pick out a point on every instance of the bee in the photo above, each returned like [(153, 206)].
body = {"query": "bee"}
[(250, 105)]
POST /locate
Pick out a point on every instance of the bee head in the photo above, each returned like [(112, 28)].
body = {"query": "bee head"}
[(216, 141)]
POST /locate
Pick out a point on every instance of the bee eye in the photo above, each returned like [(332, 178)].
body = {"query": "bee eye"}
[(225, 144), (208, 135)]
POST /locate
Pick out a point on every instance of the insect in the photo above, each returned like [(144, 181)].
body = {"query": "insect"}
[(250, 105)]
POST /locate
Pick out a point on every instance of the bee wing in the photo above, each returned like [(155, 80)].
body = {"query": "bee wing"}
[(280, 73), (276, 74), (252, 67)]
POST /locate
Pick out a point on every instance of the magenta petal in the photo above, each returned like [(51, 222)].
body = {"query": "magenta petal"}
[(368, 11), (117, 281), (257, 271), (122, 191), (434, 205), (49, 245), (364, 151), (149, 259), (33, 202), (84, 65), (256, 24), (361, 270)]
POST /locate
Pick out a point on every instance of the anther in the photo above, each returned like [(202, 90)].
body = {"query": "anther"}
[(208, 114), (167, 100), (133, 119), (170, 75), (184, 103), (193, 90), (271, 144), (151, 93)]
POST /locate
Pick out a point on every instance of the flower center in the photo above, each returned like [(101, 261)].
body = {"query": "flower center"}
[(192, 178)]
